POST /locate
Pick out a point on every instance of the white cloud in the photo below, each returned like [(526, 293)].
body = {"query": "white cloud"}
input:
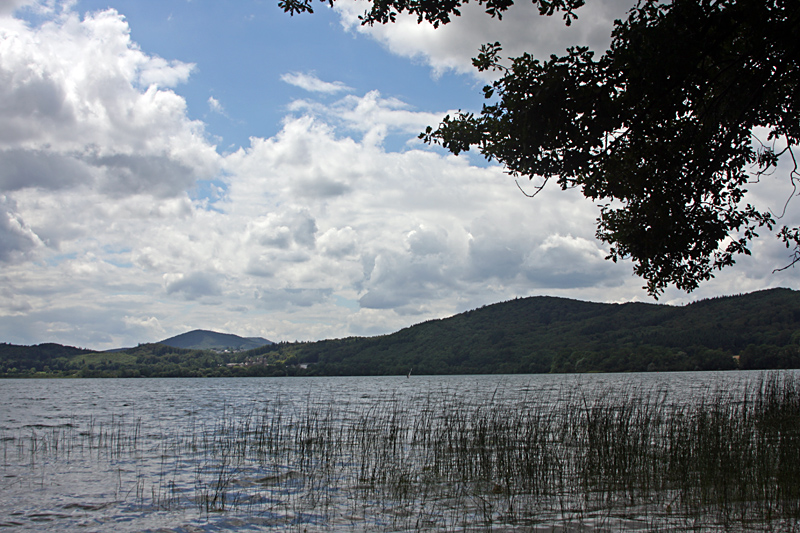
[(311, 83), (163, 73), (372, 115), (290, 228), (522, 29), (148, 327), (215, 106), (339, 242), (564, 261), (411, 232), (193, 285), (7, 7), (82, 106), (426, 241), (16, 237)]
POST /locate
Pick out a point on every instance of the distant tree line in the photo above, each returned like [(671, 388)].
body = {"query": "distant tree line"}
[(527, 335)]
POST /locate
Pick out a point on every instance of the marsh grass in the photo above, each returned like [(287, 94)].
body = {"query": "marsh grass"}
[(602, 460)]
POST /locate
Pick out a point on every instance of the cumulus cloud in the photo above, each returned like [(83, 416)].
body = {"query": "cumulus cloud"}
[(281, 299), (148, 327), (522, 29), (158, 71), (372, 115), (400, 281), (564, 261), (339, 242), (193, 285), (311, 83), (16, 237), (494, 257), (82, 106), (215, 106), (42, 169), (7, 7), (426, 241), (405, 228), (294, 227)]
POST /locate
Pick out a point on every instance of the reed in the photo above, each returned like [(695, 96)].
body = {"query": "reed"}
[(444, 461)]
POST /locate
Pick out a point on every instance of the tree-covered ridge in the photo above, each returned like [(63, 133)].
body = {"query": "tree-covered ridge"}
[(200, 339), (43, 357), (544, 334), (525, 335), (145, 360)]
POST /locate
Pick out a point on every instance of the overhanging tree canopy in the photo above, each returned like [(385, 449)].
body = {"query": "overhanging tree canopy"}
[(694, 100)]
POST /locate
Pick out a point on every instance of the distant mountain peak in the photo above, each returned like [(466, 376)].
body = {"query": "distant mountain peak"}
[(201, 339)]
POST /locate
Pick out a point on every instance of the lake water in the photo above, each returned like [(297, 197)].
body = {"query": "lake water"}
[(249, 454)]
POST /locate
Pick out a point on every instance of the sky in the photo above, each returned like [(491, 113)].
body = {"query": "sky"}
[(208, 164)]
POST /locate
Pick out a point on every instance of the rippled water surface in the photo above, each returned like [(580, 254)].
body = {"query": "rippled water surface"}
[(253, 454)]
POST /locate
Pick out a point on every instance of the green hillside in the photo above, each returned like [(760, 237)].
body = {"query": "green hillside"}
[(146, 360), (526, 335), (545, 334), (41, 358), (201, 339)]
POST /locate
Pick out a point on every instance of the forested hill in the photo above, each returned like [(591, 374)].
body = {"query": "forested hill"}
[(201, 339), (527, 335), (546, 334)]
